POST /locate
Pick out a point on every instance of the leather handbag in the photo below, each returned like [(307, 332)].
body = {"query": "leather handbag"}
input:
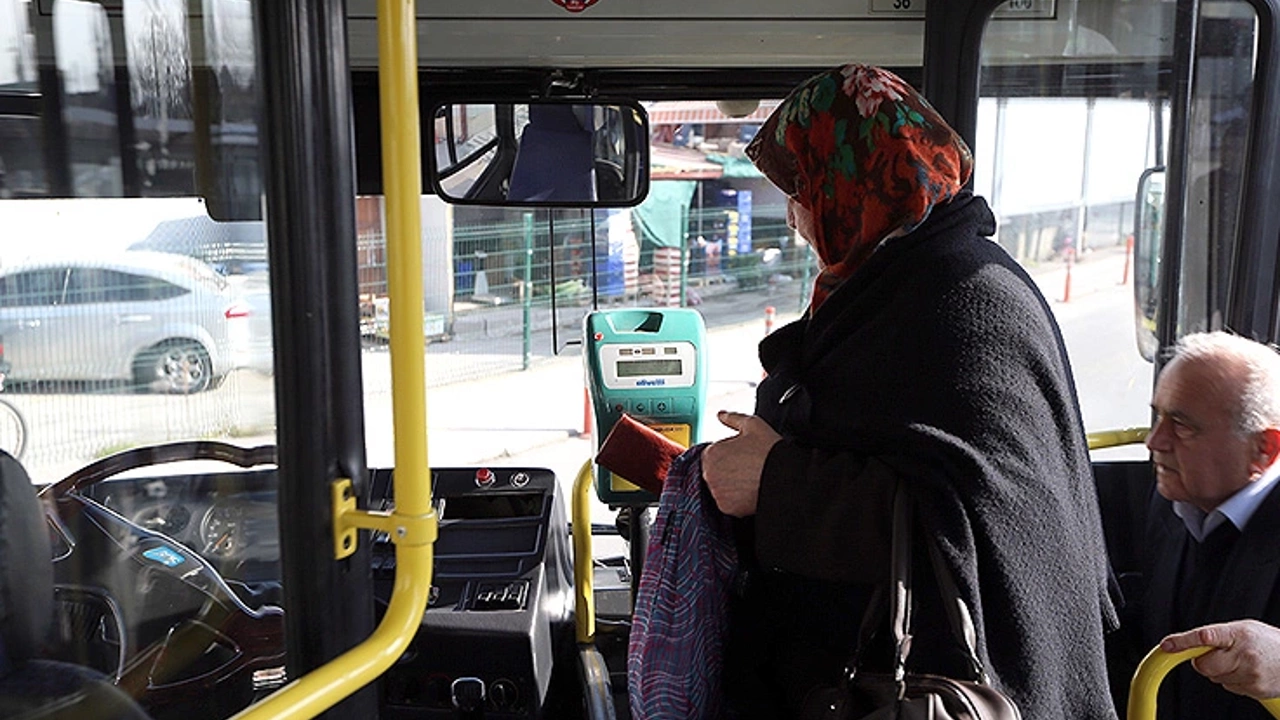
[(908, 695)]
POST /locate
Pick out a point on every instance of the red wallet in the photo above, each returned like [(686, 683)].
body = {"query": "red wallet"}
[(638, 453)]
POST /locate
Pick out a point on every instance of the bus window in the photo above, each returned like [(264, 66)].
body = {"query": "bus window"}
[(1066, 127), (155, 330)]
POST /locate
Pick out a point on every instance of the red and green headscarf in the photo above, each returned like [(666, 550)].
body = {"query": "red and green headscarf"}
[(866, 155)]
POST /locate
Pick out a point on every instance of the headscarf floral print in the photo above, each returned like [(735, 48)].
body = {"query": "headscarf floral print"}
[(866, 155)]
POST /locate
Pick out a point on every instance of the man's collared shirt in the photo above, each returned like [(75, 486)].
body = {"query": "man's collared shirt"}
[(1237, 509)]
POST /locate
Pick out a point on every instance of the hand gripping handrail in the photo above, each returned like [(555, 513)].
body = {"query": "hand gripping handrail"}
[(1151, 671), (412, 525)]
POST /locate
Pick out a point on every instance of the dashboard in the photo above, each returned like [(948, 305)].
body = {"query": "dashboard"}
[(229, 518)]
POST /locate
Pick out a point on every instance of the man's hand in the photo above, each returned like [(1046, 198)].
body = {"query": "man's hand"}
[(732, 467), (1246, 658)]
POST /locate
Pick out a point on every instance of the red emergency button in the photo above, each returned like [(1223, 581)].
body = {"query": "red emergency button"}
[(484, 477)]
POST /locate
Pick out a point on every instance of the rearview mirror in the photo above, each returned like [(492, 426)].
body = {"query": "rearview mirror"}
[(1148, 240), (541, 154)]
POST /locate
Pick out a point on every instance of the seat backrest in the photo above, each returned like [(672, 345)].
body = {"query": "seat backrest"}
[(556, 158), (29, 686), (26, 567)]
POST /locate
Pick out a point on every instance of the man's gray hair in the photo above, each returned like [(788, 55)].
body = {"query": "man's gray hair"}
[(1259, 402)]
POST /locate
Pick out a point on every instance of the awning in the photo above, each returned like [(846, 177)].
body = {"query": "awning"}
[(672, 163), (703, 112)]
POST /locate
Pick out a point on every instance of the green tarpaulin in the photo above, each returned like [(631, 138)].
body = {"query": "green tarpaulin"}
[(735, 167), (661, 218)]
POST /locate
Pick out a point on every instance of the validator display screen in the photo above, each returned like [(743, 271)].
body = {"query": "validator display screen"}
[(645, 368)]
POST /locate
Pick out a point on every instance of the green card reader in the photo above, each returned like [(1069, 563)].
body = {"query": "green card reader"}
[(651, 364)]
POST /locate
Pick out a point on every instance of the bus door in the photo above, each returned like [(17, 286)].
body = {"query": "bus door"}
[(1126, 149)]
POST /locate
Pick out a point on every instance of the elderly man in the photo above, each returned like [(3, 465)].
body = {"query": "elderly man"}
[(1211, 529)]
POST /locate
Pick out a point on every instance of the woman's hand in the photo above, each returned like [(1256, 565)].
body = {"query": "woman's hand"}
[(732, 467)]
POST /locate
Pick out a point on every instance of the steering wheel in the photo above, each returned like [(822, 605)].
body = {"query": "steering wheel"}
[(150, 611)]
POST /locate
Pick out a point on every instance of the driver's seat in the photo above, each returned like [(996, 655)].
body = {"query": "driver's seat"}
[(29, 686)]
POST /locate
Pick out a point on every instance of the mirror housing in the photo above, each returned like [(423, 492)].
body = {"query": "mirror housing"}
[(541, 153), (1148, 243)]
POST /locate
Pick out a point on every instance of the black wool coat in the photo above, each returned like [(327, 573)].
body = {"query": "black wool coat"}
[(938, 364)]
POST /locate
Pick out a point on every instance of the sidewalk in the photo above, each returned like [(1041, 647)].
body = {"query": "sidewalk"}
[(537, 417)]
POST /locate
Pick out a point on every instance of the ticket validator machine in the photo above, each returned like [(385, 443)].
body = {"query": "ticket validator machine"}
[(651, 364)]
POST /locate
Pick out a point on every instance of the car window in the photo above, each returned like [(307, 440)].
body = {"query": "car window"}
[(203, 273), (148, 288), (94, 285), (33, 287)]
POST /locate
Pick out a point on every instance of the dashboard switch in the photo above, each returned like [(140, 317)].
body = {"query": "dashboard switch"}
[(501, 596), (468, 694)]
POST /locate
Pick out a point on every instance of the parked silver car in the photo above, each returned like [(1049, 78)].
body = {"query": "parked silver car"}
[(156, 319), (250, 326)]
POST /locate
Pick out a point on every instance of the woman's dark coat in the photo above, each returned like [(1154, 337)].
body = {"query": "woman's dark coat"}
[(938, 363)]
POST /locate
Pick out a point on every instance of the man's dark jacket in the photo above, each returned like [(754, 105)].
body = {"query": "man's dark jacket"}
[(937, 363), (1246, 588)]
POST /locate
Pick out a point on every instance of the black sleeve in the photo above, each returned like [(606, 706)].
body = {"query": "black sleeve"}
[(824, 514)]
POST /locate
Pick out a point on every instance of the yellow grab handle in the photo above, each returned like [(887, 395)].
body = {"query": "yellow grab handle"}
[(1151, 671), (583, 563), (1115, 438)]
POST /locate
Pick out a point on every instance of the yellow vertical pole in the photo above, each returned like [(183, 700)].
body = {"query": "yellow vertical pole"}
[(402, 168), (412, 524), (583, 565)]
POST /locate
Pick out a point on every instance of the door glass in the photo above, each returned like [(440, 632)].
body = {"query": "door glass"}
[(1217, 148), (1072, 113)]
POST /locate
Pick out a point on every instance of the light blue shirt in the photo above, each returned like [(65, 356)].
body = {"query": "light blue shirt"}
[(1237, 509)]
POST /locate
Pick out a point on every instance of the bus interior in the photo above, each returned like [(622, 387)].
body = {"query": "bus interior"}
[(529, 163)]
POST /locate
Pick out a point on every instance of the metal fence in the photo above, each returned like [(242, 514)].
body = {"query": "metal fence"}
[(523, 287)]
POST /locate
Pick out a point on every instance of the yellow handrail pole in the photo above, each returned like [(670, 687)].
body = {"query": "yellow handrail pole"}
[(583, 563), (1115, 438), (412, 524), (1151, 671)]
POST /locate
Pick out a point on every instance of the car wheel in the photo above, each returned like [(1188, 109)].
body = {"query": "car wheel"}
[(175, 366)]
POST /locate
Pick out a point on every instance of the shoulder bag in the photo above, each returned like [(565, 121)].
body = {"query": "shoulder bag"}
[(907, 695)]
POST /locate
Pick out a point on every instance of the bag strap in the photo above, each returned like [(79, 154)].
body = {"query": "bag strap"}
[(957, 612)]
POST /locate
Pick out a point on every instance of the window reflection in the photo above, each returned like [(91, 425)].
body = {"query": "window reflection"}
[(1060, 149), (82, 44), (233, 101), (159, 62), (17, 45), (1221, 105)]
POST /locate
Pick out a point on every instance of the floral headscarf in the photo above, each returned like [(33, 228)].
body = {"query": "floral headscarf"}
[(866, 155)]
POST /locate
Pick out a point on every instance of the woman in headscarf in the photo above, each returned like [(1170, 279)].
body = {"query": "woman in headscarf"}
[(927, 357)]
